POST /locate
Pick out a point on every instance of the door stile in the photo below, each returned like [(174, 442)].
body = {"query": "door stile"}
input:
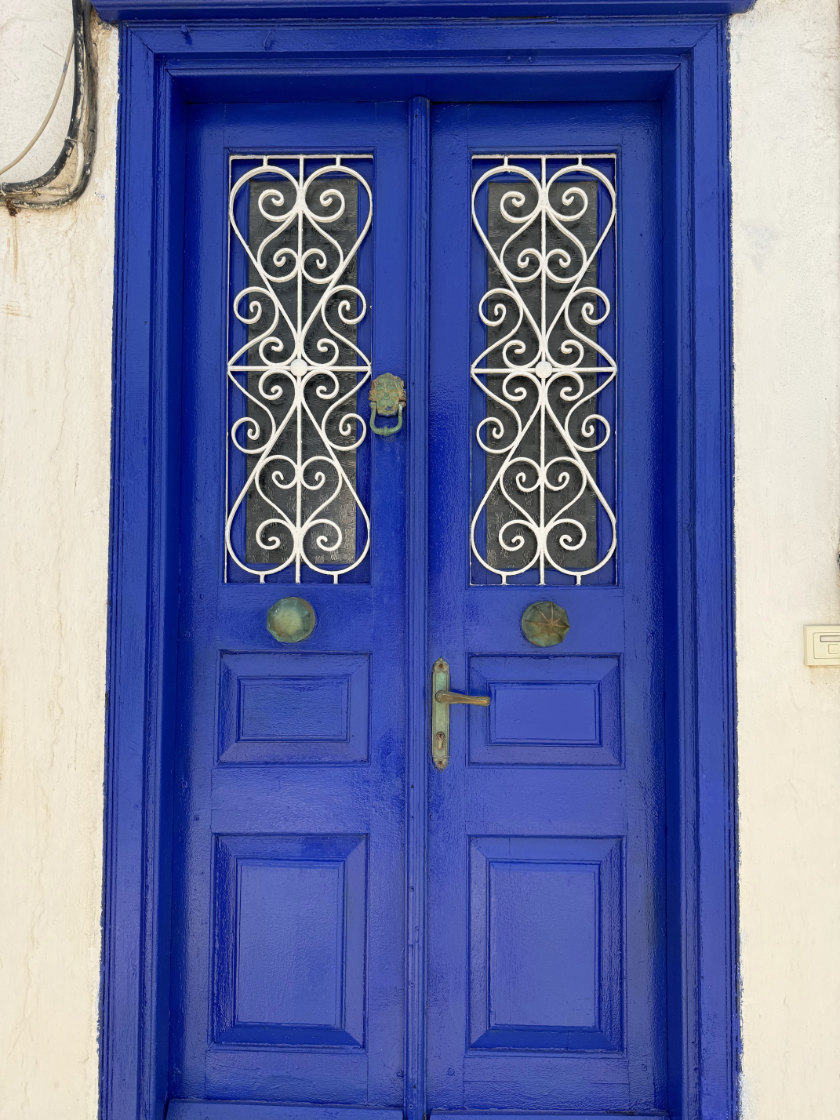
[(417, 605)]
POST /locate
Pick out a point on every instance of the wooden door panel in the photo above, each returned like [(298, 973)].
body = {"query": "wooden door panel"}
[(562, 711), (545, 943), (294, 708), (289, 935)]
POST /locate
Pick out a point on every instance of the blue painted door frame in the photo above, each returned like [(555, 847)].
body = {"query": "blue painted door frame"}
[(679, 67), (143, 10)]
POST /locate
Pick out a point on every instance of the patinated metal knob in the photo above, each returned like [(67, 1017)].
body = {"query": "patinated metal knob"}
[(290, 619), (545, 623)]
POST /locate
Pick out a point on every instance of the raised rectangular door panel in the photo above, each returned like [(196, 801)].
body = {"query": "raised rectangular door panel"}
[(546, 960), (557, 711), (282, 707), (289, 935)]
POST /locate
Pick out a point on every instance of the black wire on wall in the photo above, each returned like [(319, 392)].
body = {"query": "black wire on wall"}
[(67, 178)]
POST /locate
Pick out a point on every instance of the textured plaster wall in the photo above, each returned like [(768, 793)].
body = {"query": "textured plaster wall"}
[(55, 314), (55, 357), (786, 214)]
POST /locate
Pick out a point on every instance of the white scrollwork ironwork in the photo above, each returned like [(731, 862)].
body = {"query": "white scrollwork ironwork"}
[(543, 371), (299, 372)]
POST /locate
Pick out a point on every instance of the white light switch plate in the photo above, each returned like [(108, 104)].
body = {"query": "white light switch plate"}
[(822, 645)]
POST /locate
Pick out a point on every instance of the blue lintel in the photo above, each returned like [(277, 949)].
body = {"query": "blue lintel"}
[(144, 10)]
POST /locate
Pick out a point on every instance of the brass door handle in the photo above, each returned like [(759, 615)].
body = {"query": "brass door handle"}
[(441, 699), (462, 698)]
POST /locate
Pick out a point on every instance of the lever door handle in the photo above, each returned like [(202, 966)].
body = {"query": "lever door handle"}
[(462, 698), (441, 699)]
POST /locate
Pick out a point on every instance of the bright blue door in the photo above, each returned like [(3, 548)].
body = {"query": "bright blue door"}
[(288, 961), (542, 853), (546, 974)]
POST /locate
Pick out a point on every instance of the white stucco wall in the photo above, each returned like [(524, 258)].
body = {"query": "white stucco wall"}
[(56, 272), (55, 316), (786, 215)]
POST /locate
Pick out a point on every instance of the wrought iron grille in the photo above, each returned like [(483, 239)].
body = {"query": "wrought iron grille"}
[(544, 458), (297, 224)]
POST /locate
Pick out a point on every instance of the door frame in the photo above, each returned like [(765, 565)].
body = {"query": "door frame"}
[(682, 64)]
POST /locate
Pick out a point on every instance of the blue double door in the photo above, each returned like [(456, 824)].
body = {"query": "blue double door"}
[(354, 928)]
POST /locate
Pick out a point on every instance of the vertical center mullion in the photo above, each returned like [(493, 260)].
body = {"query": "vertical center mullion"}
[(417, 575)]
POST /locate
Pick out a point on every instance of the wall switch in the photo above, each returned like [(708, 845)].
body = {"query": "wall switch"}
[(822, 645)]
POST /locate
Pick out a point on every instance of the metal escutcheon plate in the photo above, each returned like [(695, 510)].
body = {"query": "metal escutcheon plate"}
[(290, 619)]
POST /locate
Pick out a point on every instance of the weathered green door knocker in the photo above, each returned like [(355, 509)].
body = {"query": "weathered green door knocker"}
[(387, 398)]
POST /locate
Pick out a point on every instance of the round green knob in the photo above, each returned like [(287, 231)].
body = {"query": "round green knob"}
[(545, 623), (290, 619)]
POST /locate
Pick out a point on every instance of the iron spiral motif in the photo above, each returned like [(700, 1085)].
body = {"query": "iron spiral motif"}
[(544, 373), (292, 500)]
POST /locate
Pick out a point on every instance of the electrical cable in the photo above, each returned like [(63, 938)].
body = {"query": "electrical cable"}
[(48, 117), (67, 178), (50, 111)]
